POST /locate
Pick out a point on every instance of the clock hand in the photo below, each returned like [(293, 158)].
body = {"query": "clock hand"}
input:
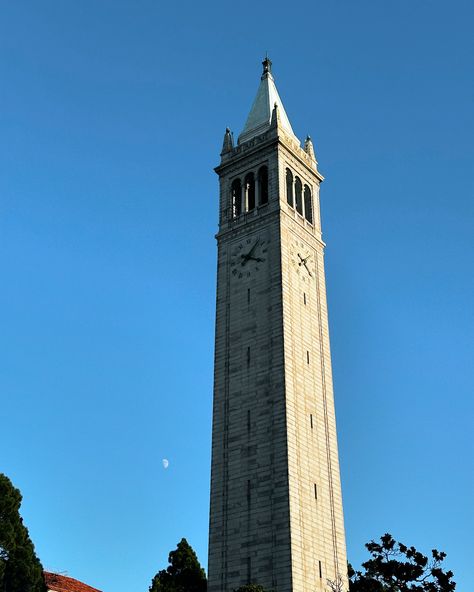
[(247, 256), (303, 261), (307, 268), (254, 247)]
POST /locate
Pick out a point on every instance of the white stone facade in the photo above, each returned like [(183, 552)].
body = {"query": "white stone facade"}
[(276, 514)]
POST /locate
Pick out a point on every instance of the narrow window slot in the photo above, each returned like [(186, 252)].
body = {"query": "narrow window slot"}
[(248, 296), (320, 570), (304, 298), (311, 420), (248, 420), (307, 356), (248, 356), (315, 491)]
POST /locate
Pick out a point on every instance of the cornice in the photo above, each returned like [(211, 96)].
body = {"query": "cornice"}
[(260, 143), (295, 226), (243, 151), (236, 228)]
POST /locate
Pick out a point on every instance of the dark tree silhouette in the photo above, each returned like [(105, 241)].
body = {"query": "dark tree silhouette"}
[(20, 568), (251, 588), (394, 567), (183, 574)]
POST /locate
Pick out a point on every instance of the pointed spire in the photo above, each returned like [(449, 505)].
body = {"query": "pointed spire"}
[(275, 121), (309, 148), (260, 116), (228, 143)]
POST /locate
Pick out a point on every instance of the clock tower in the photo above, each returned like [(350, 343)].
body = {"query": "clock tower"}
[(276, 507)]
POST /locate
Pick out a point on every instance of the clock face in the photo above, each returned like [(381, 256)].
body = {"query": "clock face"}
[(247, 256), (302, 260)]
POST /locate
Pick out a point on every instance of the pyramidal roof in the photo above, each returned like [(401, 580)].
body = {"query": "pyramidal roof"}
[(260, 115)]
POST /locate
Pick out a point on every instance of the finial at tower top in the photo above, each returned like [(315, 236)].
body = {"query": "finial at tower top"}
[(267, 65)]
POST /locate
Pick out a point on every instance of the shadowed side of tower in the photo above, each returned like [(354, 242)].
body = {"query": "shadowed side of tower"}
[(276, 507)]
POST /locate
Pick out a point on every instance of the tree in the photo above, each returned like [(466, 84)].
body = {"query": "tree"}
[(251, 588), (20, 568), (336, 585), (183, 574), (394, 567)]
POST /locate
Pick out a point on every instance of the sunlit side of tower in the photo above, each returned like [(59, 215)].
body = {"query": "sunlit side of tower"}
[(276, 514)]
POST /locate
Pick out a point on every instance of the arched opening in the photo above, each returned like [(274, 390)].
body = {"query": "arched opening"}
[(308, 204), (263, 185), (236, 192), (299, 195), (289, 187), (249, 192)]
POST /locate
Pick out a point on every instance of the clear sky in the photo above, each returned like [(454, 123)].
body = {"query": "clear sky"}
[(112, 115)]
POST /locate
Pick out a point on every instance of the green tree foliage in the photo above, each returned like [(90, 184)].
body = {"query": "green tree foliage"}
[(394, 567), (183, 574), (251, 588), (20, 569)]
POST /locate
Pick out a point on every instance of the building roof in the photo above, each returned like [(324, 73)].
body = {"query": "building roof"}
[(59, 583), (260, 115)]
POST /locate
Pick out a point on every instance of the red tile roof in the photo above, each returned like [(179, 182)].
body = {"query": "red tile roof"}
[(60, 583)]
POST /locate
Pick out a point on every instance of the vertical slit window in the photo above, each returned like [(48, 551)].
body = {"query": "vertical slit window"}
[(248, 491), (236, 192), (248, 356), (249, 192), (311, 420), (315, 491), (308, 204), (248, 420), (263, 185), (299, 195), (248, 295), (307, 356), (320, 570), (289, 187), (304, 298)]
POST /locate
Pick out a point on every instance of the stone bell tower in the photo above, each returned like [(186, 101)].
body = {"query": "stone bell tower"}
[(276, 507)]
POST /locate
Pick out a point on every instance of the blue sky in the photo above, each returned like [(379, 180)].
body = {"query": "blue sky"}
[(111, 121)]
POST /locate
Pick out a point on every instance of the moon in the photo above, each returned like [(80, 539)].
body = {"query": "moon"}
[(166, 463)]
